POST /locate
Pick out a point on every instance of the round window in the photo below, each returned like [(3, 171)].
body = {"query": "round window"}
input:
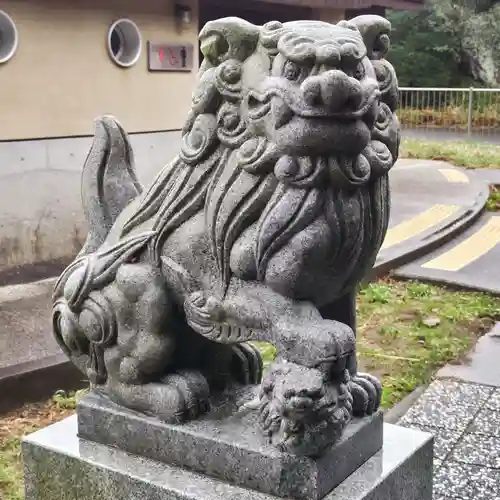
[(8, 37), (124, 42)]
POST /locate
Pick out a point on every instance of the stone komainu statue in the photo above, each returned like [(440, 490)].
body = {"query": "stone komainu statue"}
[(260, 229)]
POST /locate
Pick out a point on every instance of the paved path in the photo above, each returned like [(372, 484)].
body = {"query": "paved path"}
[(463, 414), (25, 323), (490, 175), (472, 260), (430, 201)]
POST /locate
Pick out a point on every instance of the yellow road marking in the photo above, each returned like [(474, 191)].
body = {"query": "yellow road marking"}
[(454, 175), (418, 224), (469, 250)]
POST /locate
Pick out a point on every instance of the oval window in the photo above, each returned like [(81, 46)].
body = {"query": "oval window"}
[(8, 37), (124, 42)]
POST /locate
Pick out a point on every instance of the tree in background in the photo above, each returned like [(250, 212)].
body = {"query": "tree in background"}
[(447, 44), (426, 49)]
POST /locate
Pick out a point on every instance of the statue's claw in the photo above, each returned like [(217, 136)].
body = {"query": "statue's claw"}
[(247, 364), (203, 312), (206, 315), (366, 391)]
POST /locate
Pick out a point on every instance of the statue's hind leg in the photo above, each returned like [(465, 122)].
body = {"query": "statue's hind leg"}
[(175, 397), (365, 388)]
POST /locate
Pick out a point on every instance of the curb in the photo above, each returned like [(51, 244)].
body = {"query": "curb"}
[(37, 380), (396, 412), (435, 240), (480, 280)]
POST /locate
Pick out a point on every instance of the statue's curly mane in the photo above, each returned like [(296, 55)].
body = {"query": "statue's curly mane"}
[(240, 180)]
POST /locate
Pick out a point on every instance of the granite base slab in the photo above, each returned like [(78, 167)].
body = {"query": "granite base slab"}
[(227, 444), (59, 465)]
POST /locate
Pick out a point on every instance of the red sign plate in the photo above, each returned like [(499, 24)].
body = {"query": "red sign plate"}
[(168, 57)]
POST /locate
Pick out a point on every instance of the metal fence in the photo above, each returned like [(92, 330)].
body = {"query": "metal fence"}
[(472, 112)]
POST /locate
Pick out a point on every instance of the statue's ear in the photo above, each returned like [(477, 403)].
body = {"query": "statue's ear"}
[(228, 38), (375, 31)]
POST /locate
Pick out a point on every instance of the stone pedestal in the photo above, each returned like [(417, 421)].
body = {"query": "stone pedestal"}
[(109, 453)]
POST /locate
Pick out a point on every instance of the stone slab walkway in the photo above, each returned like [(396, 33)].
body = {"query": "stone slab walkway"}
[(465, 421), (464, 417)]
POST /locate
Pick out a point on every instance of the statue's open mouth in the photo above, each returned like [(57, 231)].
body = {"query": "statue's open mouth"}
[(297, 127), (285, 107)]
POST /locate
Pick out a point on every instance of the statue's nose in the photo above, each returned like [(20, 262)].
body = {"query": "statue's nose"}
[(333, 90)]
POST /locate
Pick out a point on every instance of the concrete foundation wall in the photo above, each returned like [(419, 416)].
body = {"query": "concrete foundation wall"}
[(62, 77), (62, 46), (41, 217)]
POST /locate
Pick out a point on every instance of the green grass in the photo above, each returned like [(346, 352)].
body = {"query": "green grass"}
[(11, 476), (20, 423), (493, 202), (406, 331), (68, 401), (466, 154)]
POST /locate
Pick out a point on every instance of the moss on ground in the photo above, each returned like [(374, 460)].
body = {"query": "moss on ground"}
[(493, 203)]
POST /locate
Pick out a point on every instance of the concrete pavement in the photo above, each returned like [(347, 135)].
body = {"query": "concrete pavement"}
[(32, 366), (471, 260), (431, 203)]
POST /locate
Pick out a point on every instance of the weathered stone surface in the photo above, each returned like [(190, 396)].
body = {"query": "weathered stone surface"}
[(59, 465), (260, 229), (226, 444)]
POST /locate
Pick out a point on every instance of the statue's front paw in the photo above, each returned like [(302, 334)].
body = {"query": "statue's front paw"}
[(322, 344), (366, 391), (203, 312)]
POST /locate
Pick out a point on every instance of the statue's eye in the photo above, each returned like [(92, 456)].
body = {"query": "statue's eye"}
[(291, 71), (359, 72)]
